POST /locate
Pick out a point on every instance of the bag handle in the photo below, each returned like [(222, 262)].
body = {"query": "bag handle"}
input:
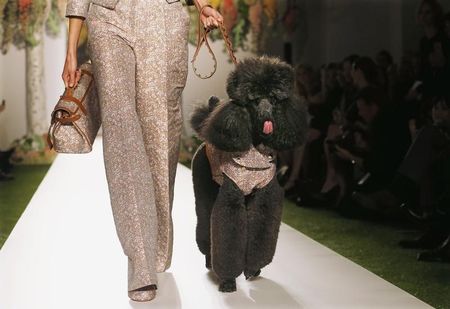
[(204, 38), (56, 122)]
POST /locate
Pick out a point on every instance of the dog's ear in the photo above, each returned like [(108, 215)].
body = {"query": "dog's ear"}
[(198, 116), (228, 128), (200, 113)]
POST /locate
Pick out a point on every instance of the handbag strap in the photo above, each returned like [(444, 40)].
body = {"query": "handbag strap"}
[(56, 121), (204, 38), (68, 94)]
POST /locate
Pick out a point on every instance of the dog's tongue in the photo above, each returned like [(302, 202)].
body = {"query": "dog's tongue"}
[(268, 127)]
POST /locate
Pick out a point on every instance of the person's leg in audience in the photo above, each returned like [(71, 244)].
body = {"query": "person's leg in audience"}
[(405, 185), (297, 158), (330, 178), (440, 218)]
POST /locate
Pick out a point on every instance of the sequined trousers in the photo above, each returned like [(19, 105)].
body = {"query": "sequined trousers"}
[(139, 54)]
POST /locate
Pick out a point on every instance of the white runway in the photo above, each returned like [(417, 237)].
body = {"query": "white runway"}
[(64, 253)]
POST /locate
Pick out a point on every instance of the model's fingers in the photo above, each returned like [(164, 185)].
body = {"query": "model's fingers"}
[(205, 22), (71, 78), (212, 22), (202, 19)]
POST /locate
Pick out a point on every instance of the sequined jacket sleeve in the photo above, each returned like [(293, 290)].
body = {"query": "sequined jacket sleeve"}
[(77, 8)]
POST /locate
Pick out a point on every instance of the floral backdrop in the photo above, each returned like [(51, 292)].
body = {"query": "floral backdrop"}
[(24, 24), (248, 22), (22, 18)]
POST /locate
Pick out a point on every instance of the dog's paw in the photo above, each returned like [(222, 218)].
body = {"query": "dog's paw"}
[(228, 286), (249, 274), (208, 261)]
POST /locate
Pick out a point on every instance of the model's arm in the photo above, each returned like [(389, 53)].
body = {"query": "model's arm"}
[(70, 73), (210, 17), (76, 11)]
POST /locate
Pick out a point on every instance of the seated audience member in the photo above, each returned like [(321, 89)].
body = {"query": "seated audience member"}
[(384, 60), (308, 88), (339, 119), (433, 81), (447, 25), (358, 73), (422, 183), (434, 74), (438, 217), (332, 95), (307, 164), (430, 18), (388, 71), (437, 76), (346, 82), (364, 73), (307, 84), (375, 144)]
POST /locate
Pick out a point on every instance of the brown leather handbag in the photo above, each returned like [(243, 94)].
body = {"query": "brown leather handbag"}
[(76, 118)]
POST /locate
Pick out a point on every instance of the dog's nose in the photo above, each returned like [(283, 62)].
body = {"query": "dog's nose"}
[(265, 106)]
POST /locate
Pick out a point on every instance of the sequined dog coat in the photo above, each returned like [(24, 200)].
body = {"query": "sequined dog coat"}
[(249, 170)]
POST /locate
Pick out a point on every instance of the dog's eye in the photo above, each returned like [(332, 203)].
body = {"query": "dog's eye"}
[(251, 96)]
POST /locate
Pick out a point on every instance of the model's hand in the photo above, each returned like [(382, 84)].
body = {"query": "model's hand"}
[(70, 74), (211, 18)]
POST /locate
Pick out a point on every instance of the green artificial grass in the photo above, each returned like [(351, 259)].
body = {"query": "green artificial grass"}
[(15, 195), (374, 246)]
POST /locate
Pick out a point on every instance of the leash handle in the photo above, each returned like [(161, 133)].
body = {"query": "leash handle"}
[(203, 38)]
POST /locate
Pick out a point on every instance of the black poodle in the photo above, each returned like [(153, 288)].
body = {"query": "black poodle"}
[(237, 195)]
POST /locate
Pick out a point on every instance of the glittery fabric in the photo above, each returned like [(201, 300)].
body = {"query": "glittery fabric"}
[(249, 170), (81, 7), (139, 54)]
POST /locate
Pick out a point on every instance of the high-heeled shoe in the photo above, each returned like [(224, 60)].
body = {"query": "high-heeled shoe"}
[(324, 199), (440, 254), (145, 293), (427, 241)]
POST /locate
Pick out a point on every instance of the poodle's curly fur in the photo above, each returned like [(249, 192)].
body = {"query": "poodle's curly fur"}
[(236, 232)]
